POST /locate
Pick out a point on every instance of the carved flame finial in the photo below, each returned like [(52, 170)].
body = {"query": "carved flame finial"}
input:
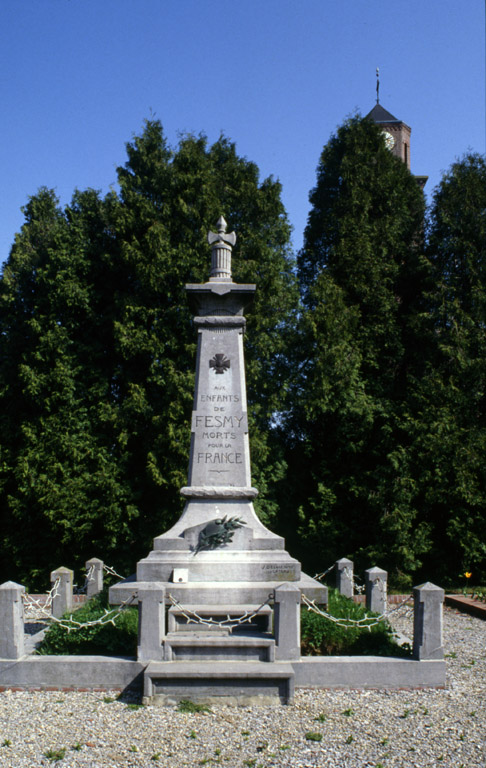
[(221, 246)]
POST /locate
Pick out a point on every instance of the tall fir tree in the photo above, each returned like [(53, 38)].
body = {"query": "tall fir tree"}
[(450, 441), (363, 275), (97, 372)]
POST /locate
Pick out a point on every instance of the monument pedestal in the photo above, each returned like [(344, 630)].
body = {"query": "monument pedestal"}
[(219, 553)]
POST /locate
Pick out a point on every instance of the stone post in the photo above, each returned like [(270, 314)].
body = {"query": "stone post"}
[(427, 622), (62, 600), (345, 577), (11, 620), (287, 622), (151, 621), (94, 569), (376, 592)]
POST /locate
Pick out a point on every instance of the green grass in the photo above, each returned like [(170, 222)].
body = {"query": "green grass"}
[(106, 640), (191, 707), (313, 736), (322, 637), (319, 636)]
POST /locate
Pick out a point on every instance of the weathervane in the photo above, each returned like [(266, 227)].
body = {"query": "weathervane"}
[(377, 85)]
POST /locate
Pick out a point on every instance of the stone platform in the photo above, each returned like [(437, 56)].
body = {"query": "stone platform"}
[(215, 593), (236, 682)]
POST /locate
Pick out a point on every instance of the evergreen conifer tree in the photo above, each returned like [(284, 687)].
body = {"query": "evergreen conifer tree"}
[(450, 440), (363, 276), (97, 371)]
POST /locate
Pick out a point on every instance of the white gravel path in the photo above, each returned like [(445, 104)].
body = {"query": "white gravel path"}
[(404, 729)]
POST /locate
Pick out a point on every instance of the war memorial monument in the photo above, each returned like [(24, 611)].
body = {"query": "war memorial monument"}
[(219, 597)]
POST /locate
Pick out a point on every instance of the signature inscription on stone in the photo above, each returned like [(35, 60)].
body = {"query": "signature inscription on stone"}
[(220, 363)]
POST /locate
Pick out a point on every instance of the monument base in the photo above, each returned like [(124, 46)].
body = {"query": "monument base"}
[(218, 593)]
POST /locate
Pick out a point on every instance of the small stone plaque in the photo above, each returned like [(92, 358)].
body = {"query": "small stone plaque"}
[(180, 575)]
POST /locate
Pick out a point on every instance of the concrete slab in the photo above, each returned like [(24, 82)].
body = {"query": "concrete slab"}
[(368, 672), (219, 593), (235, 683), (467, 605), (99, 672)]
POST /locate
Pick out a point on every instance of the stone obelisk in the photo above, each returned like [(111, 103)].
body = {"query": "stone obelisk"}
[(219, 552)]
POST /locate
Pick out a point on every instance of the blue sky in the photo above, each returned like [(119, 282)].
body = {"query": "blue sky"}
[(78, 78)]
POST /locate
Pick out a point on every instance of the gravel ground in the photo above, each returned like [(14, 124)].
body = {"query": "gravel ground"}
[(406, 729)]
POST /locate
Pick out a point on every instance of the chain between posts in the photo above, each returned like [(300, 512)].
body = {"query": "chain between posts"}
[(89, 577), (320, 576), (112, 571), (30, 604), (367, 622), (194, 618), (359, 588), (109, 617), (41, 609)]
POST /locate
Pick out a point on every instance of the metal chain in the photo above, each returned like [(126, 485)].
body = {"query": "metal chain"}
[(41, 606), (193, 617), (109, 617), (112, 571), (320, 576), (404, 603), (365, 623), (89, 577)]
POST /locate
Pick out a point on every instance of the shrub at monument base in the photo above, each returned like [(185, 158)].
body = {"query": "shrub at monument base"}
[(319, 636), (119, 639), (322, 637)]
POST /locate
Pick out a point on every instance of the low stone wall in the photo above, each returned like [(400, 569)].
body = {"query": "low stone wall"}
[(368, 672), (114, 673), (71, 672)]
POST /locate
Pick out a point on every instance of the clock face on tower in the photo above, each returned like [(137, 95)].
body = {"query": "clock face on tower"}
[(389, 140)]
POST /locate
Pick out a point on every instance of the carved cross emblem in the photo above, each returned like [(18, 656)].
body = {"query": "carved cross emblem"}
[(220, 363)]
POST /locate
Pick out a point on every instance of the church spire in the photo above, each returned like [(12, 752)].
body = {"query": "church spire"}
[(377, 85)]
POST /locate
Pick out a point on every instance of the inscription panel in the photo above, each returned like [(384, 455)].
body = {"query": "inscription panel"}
[(219, 445)]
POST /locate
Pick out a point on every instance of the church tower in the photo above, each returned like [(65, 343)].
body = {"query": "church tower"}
[(396, 132)]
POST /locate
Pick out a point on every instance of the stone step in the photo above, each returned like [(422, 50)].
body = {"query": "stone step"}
[(179, 619), (204, 646), (207, 682)]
